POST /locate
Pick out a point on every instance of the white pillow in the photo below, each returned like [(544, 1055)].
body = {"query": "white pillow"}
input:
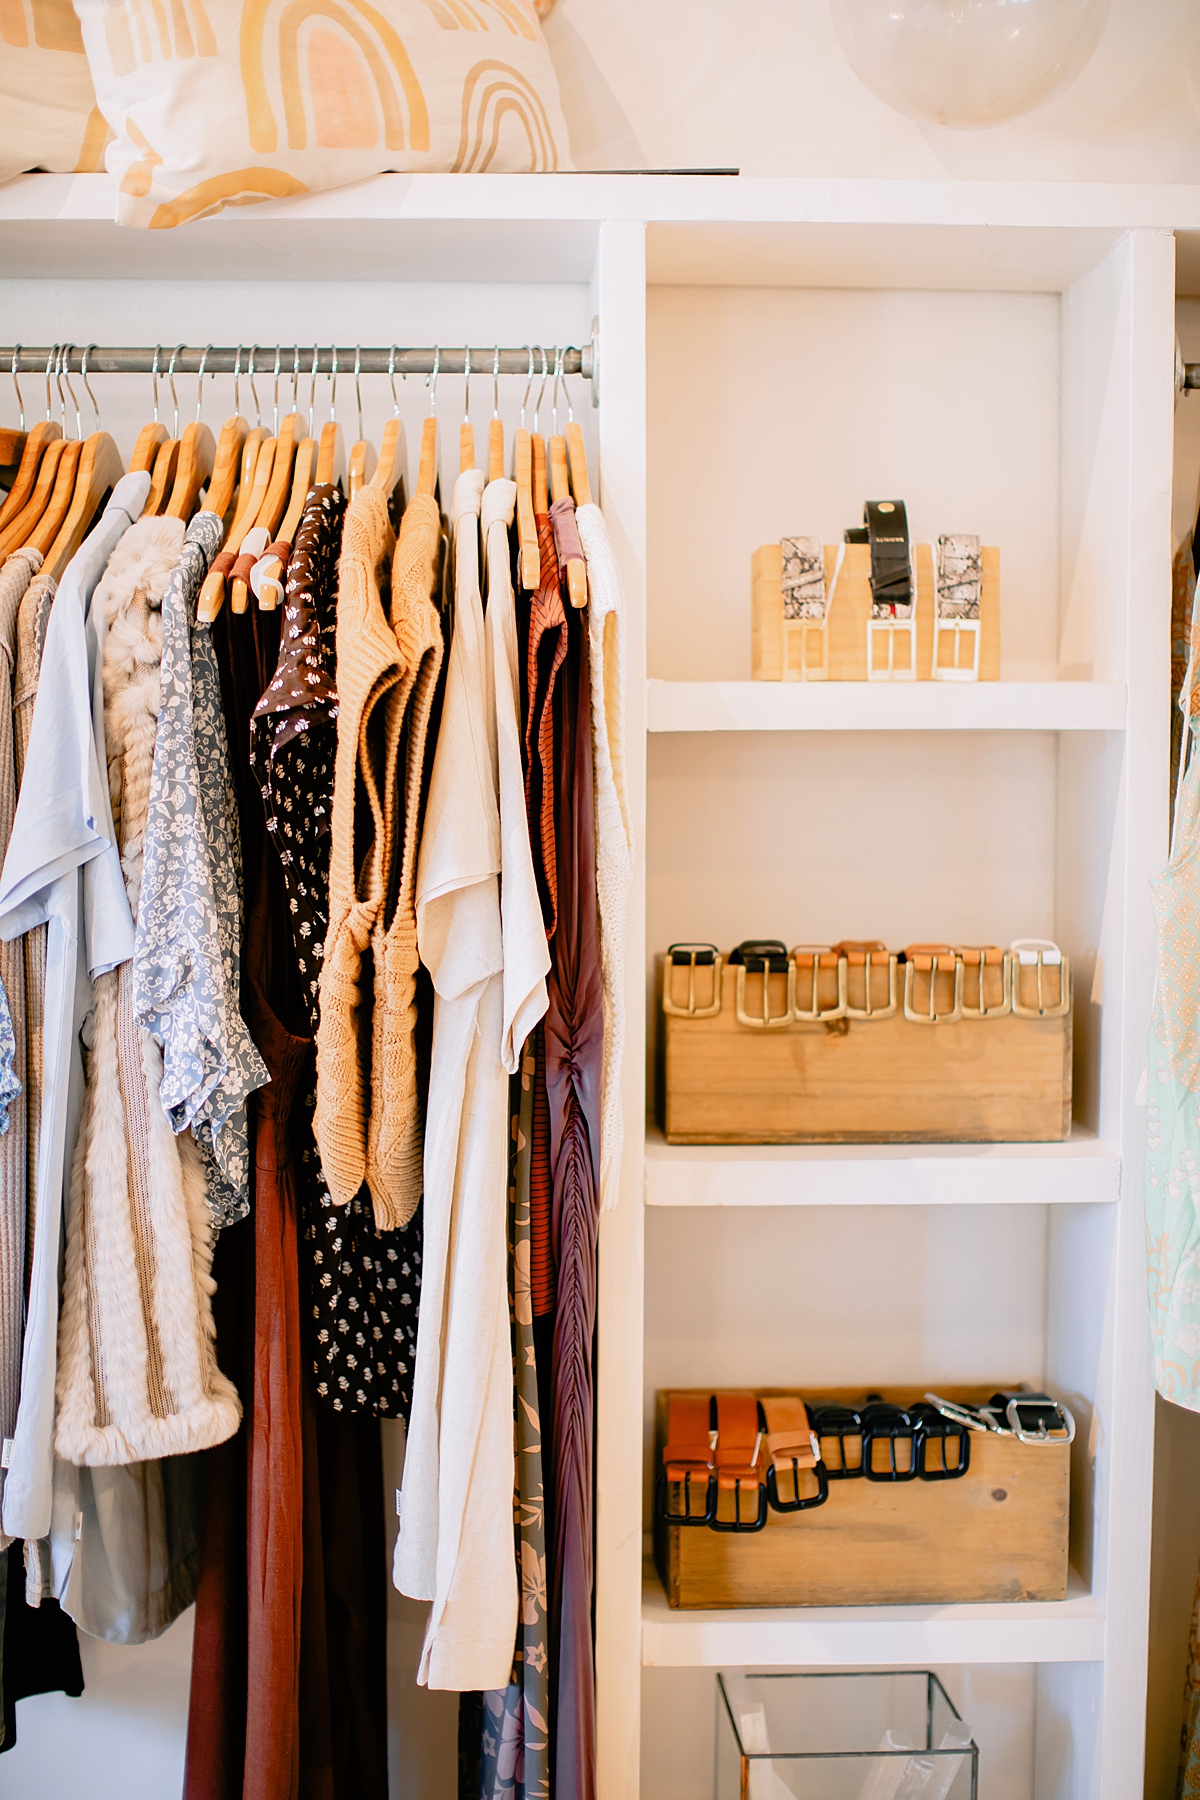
[(48, 113), (220, 103)]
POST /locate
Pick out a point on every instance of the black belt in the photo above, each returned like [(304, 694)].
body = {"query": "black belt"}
[(891, 568)]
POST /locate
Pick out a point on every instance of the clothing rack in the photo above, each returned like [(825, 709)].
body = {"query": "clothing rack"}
[(300, 361)]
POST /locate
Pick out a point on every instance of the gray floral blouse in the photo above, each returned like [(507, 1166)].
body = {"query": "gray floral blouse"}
[(186, 964)]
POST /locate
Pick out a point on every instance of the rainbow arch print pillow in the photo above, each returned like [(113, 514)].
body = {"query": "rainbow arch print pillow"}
[(217, 103), (48, 113)]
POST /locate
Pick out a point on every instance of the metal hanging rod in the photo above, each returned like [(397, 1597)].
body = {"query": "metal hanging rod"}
[(123, 360)]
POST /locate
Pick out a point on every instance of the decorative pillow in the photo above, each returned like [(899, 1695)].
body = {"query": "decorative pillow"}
[(48, 113), (220, 103)]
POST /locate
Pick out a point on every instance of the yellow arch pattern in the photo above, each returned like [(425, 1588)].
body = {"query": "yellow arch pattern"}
[(241, 188), (451, 14), (492, 92), (353, 16), (181, 36)]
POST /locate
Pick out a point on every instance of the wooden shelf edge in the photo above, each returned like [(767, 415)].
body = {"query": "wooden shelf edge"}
[(676, 706)]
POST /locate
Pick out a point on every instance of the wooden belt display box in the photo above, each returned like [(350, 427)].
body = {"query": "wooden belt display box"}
[(999, 1533), (848, 615), (725, 1079)]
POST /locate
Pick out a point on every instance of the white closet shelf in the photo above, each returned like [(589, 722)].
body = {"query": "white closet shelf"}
[(885, 706), (1082, 1170), (1034, 1631)]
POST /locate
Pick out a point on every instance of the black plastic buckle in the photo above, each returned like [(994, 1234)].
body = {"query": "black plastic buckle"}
[(662, 1499), (761, 956), (934, 1428), (835, 1424), (701, 956), (884, 1423), (800, 1503), (737, 1523)]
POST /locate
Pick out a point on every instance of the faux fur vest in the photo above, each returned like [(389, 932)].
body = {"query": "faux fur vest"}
[(137, 1370)]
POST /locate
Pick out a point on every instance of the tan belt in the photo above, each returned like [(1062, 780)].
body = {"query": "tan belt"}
[(793, 1447), (687, 1460), (739, 1441)]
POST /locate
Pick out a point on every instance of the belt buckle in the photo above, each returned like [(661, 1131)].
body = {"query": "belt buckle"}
[(980, 958), (1061, 1427), (886, 1423), (836, 1424), (889, 671), (807, 671), (932, 953), (971, 1418), (802, 1502), (952, 671), (764, 957), (734, 1477), (1042, 954), (847, 952), (816, 957), (936, 1426), (684, 956), (682, 1477)]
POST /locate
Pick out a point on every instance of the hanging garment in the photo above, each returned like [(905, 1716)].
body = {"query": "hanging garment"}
[(62, 870), (1188, 1783), (361, 1286), (123, 1545), (394, 1137), (614, 820), (137, 1372), (455, 1541), (574, 1058), (186, 973), (515, 1739), (15, 1161), (370, 668), (40, 1646)]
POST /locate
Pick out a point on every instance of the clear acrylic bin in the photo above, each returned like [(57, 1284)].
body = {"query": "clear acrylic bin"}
[(859, 1736)]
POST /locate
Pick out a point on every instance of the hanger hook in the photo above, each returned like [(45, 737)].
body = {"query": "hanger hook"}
[(567, 395), (171, 384), (312, 389), (558, 362), (154, 377), (87, 384), (253, 389), (200, 381), (58, 381), (295, 377), (358, 386), (528, 385), (51, 359), (16, 364), (237, 380), (431, 380), (467, 384), (496, 382), (275, 395), (66, 371), (333, 375), (392, 380), (537, 405)]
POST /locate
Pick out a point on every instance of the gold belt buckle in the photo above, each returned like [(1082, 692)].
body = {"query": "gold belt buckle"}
[(935, 955), (889, 671), (952, 670), (766, 1020), (855, 955), (817, 957), (978, 959), (691, 952), (1041, 954)]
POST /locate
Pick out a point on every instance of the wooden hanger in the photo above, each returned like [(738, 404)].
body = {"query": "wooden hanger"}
[(302, 482), (528, 555), (560, 489), (162, 478), (100, 469), (541, 499), (197, 453), (240, 592), (331, 455), (496, 450), (427, 469), (579, 468), (466, 446), (18, 532), (362, 464), (52, 520), (212, 593), (226, 465), (12, 448), (43, 433), (391, 471), (150, 440)]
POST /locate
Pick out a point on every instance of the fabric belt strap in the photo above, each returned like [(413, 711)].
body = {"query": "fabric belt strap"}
[(891, 573), (687, 1450), (736, 1455), (790, 1437)]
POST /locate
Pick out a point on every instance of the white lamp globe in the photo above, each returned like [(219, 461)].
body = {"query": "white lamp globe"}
[(967, 63)]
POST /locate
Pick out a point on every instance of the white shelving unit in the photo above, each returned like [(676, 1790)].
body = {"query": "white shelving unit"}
[(771, 352)]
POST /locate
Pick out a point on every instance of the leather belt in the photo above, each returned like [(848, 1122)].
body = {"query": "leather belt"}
[(891, 567), (792, 1446), (688, 1461), (868, 955), (739, 1439), (839, 1432), (888, 1427)]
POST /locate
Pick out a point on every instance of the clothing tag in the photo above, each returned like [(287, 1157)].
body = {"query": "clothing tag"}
[(78, 1526), (1097, 994), (6, 1453), (398, 1499)]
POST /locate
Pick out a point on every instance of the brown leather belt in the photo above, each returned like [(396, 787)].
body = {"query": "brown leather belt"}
[(793, 1447), (688, 1461), (739, 1440)]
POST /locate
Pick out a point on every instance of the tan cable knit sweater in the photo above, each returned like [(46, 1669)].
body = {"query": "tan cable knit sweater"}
[(370, 668), (394, 1153)]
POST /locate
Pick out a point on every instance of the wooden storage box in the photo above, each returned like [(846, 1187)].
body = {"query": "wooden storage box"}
[(847, 622), (1002, 1080), (998, 1533)]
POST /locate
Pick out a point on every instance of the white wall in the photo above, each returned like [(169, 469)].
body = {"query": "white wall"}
[(763, 85)]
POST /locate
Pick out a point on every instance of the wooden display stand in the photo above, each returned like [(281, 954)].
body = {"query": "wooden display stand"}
[(1001, 1080), (847, 619), (999, 1533)]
